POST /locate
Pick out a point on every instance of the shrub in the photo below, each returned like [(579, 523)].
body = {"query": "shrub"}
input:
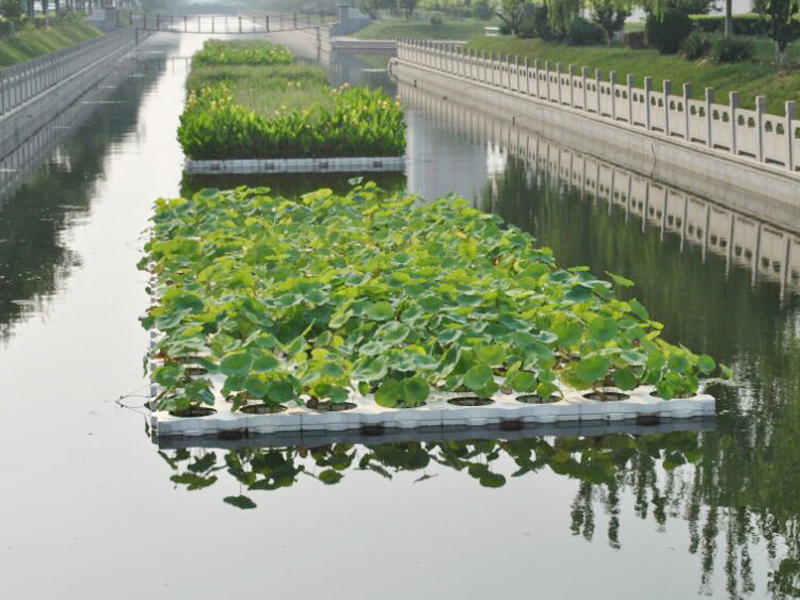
[(6, 27), (585, 33), (537, 25), (481, 10), (667, 32), (436, 19), (635, 40), (695, 46), (747, 24), (735, 49)]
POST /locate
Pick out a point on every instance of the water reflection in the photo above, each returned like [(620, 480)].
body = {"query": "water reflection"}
[(46, 184)]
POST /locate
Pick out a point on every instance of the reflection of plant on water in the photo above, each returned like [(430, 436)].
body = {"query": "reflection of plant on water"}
[(668, 475)]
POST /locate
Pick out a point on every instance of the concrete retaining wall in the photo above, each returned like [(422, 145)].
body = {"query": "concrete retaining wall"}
[(59, 83), (705, 171)]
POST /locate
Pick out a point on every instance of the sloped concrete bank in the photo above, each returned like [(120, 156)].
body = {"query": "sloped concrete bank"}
[(26, 119), (736, 181)]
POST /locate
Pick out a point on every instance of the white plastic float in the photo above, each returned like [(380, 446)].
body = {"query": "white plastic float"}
[(295, 165), (574, 407)]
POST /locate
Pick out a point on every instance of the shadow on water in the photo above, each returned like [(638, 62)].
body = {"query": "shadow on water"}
[(292, 184)]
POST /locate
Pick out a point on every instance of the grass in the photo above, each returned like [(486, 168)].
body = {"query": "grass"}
[(266, 89), (31, 43), (751, 79), (389, 29)]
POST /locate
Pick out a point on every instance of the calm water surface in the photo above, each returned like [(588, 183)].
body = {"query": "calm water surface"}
[(91, 508)]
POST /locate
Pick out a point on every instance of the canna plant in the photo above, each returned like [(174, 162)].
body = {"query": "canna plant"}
[(315, 299), (246, 101)]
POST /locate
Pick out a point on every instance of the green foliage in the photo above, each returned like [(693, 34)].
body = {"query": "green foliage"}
[(734, 49), (695, 46), (28, 42), (666, 31), (745, 24), (281, 110), (317, 297), (780, 21), (238, 52), (585, 33), (610, 15)]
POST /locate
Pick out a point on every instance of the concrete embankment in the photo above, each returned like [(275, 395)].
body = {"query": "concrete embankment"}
[(738, 181), (57, 82)]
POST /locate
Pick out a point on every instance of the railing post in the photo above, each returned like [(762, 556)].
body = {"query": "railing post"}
[(791, 115), (547, 79), (266, 22), (527, 76), (558, 81), (158, 21), (734, 107), (667, 86), (598, 76), (571, 69), (630, 80), (648, 89), (240, 24), (761, 108), (185, 24), (687, 97), (213, 24), (294, 20), (584, 76), (709, 119), (516, 68), (612, 78), (536, 75)]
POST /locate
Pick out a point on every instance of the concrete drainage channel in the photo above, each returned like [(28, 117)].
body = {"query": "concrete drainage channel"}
[(296, 165)]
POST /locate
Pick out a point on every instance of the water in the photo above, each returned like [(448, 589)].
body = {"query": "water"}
[(92, 509)]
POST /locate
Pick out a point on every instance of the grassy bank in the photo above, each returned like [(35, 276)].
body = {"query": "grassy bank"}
[(389, 29), (271, 109), (751, 79), (31, 43)]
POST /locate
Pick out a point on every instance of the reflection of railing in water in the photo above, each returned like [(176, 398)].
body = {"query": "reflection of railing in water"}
[(769, 250), (17, 166)]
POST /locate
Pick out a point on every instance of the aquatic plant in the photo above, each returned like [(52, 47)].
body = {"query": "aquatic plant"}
[(241, 107), (242, 52), (317, 298), (358, 122)]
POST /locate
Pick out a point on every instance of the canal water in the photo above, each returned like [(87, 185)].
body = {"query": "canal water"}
[(92, 508)]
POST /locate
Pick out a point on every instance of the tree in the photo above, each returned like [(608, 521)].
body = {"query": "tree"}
[(511, 12), (407, 7), (781, 19), (12, 9), (610, 15)]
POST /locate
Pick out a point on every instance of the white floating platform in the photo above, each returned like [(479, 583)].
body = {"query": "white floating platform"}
[(507, 430), (295, 165), (436, 413)]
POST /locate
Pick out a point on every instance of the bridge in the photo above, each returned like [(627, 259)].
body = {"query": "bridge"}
[(219, 23)]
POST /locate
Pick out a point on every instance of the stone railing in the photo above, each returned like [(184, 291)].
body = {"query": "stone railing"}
[(19, 83), (755, 134)]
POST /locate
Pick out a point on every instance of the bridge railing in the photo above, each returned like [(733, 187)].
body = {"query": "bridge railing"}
[(19, 83), (229, 24), (766, 138)]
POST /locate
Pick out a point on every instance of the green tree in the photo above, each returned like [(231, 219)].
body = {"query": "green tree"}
[(610, 15), (407, 7), (781, 19), (511, 12)]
